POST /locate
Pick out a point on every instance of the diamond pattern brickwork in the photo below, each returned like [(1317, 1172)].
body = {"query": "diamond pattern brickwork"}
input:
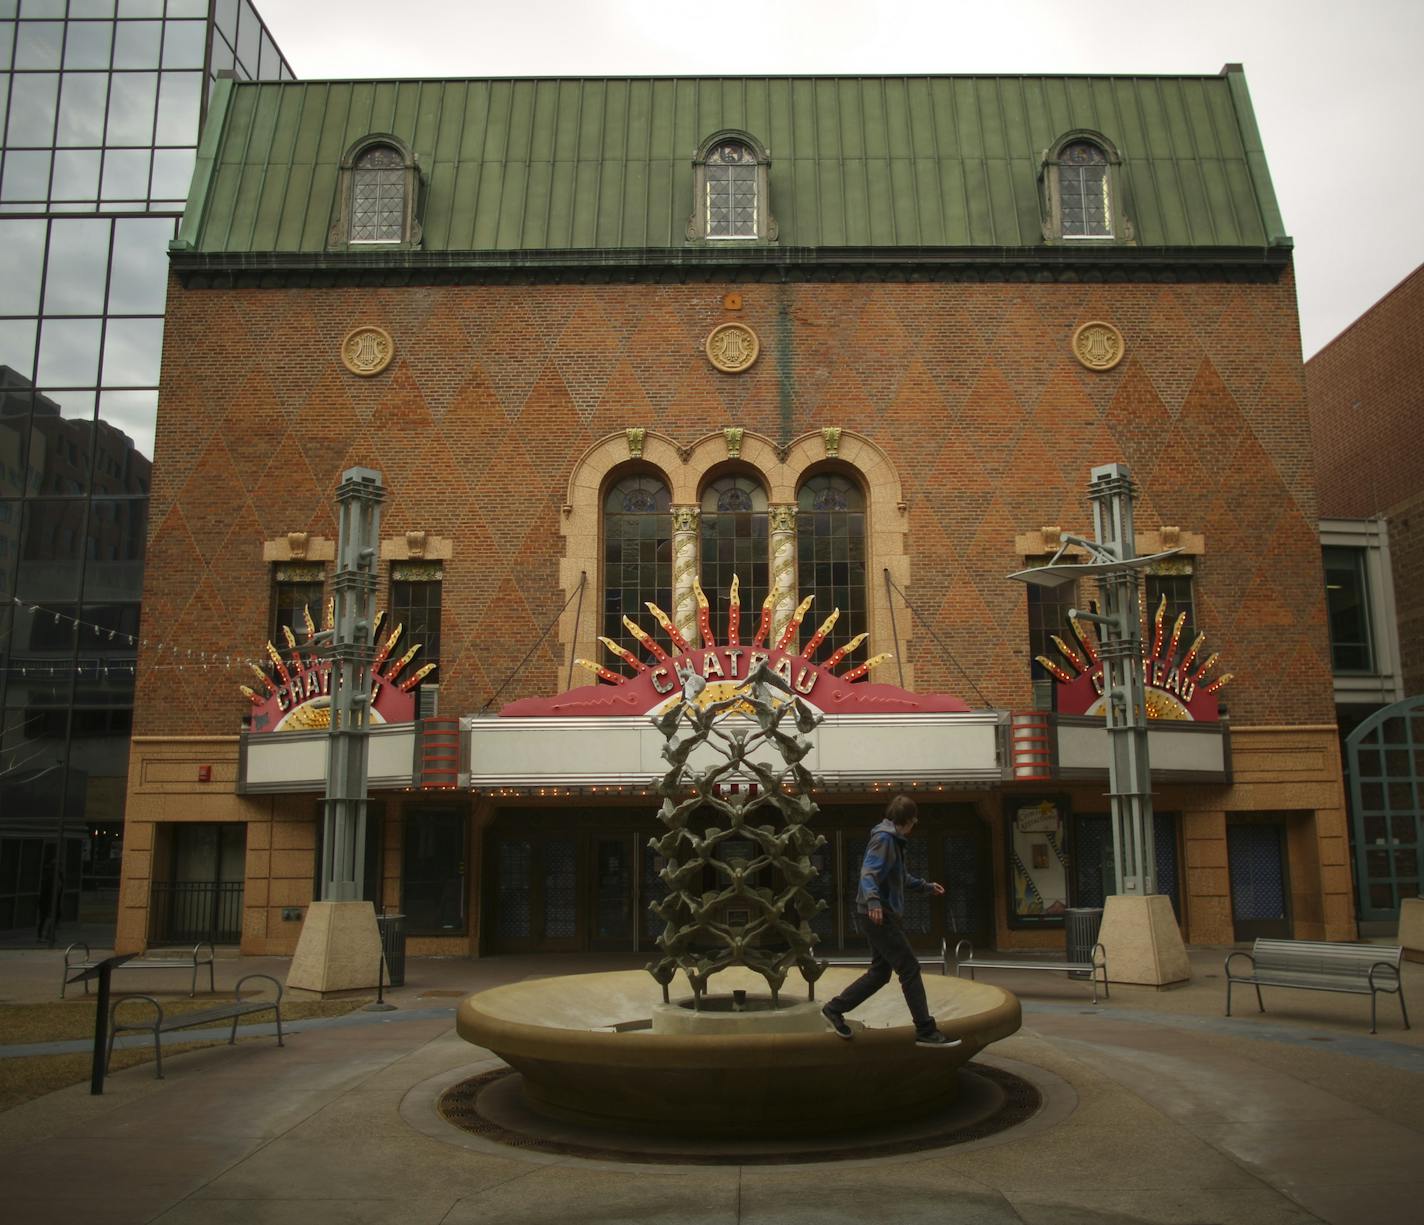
[(495, 391)]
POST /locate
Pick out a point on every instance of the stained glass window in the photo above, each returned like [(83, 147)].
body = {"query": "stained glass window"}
[(637, 557), (1083, 191), (830, 558), (731, 191), (735, 540), (378, 196)]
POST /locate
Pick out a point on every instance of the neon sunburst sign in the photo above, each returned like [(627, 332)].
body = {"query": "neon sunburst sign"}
[(658, 681), (300, 698), (1175, 688)]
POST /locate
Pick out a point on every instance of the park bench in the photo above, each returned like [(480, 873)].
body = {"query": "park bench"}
[(194, 960), (1355, 969), (941, 963), (965, 959), (161, 1024)]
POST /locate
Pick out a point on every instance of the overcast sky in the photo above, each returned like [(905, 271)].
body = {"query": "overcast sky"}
[(1338, 90)]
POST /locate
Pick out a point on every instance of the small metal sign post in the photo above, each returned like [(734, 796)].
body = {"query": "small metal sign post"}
[(102, 972), (1116, 566)]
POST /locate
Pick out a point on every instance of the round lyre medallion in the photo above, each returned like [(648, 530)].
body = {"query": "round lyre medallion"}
[(1098, 345), (367, 350), (732, 347)]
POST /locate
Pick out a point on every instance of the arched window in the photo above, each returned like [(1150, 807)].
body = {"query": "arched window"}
[(735, 540), (730, 197), (1081, 190), (378, 195), (830, 555), (637, 554)]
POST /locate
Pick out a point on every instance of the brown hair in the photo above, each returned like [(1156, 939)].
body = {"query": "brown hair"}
[(902, 810)]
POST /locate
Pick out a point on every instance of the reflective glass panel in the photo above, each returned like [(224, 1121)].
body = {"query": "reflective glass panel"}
[(61, 438), (133, 413), (115, 549), (271, 62), (17, 345), (183, 44), (52, 541), (14, 436), (172, 173), (26, 176), (69, 353), (140, 8), (91, 8), (222, 56), (126, 174), (42, 8), (178, 108), (21, 266), (32, 107), (131, 100), (7, 42), (187, 8), (1347, 600), (81, 108), (38, 43), (136, 44), (88, 44), (78, 267), (131, 352), (249, 34), (140, 281), (225, 18), (76, 175)]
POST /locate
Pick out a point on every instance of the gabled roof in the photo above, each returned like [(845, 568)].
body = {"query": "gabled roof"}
[(579, 165)]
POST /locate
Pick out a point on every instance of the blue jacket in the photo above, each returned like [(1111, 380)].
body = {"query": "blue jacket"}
[(883, 878)]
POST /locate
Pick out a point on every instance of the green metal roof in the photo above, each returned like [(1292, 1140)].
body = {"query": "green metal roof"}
[(543, 165)]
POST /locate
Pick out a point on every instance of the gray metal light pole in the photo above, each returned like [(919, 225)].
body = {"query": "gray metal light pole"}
[(1116, 566), (352, 650)]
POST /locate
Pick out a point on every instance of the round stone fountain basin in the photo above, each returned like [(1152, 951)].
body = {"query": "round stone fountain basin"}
[(585, 1047)]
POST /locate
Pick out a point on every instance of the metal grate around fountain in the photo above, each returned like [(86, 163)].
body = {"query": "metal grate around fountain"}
[(757, 847)]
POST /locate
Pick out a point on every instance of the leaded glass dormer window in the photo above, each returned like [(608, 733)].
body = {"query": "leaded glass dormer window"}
[(731, 178), (731, 192), (378, 196), (1083, 191)]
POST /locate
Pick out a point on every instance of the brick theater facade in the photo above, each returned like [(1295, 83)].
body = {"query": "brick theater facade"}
[(938, 377)]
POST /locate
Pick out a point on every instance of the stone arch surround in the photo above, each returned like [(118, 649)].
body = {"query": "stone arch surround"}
[(687, 467)]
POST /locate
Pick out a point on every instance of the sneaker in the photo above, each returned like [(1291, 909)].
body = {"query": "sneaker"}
[(837, 1023), (935, 1038)]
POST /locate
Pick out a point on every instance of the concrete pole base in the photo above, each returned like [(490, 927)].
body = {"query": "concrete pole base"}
[(339, 948), (1142, 941), (1411, 928)]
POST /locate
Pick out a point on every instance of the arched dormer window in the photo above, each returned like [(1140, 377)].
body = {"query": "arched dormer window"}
[(730, 197), (379, 195), (1082, 190)]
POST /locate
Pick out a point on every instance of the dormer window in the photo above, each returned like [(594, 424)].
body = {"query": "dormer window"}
[(378, 194), (1082, 191), (730, 199)]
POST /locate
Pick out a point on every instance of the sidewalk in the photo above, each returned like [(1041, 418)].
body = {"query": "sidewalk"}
[(1163, 1110)]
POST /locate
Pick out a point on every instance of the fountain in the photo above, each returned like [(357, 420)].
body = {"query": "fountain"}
[(657, 1050)]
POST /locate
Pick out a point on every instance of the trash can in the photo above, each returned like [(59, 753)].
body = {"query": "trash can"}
[(1082, 924), (392, 928)]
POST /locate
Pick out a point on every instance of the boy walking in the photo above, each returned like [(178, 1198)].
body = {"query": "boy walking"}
[(881, 899)]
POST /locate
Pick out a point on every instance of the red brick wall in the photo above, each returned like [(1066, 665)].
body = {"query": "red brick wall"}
[(970, 389), (1366, 402)]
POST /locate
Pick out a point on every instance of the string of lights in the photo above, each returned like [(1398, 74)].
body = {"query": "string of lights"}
[(104, 633)]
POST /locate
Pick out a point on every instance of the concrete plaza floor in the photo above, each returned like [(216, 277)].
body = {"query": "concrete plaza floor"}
[(1161, 1110)]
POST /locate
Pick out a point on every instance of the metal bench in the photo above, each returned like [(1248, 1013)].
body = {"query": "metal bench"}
[(1355, 969), (160, 1024), (965, 959), (187, 961), (941, 963)]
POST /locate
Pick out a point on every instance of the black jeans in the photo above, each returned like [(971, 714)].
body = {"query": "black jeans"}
[(889, 951)]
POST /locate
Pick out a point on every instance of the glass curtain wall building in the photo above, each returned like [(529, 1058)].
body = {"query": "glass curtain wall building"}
[(101, 102)]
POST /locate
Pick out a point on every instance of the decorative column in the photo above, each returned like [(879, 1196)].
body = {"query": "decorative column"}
[(782, 519), (685, 520)]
